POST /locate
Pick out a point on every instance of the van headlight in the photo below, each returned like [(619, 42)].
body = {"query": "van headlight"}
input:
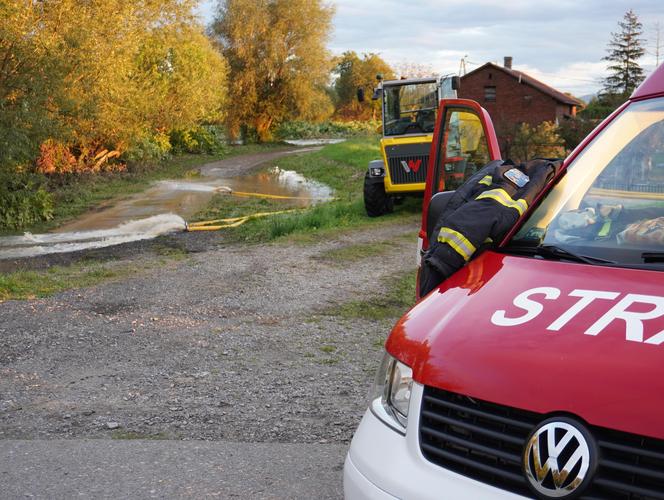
[(390, 396)]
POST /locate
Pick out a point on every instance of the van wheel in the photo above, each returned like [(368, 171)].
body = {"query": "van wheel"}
[(376, 201)]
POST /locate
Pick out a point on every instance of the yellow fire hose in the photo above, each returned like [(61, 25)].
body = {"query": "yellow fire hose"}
[(216, 224), (278, 197), (213, 225), (231, 192)]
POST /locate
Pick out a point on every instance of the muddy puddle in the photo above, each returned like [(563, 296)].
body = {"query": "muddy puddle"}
[(161, 209), (186, 198)]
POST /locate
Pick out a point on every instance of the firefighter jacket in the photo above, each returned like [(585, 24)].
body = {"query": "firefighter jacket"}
[(482, 212)]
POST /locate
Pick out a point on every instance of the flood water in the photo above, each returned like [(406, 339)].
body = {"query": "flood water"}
[(186, 198), (162, 208)]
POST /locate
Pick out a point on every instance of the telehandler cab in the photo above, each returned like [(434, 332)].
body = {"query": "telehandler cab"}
[(409, 111)]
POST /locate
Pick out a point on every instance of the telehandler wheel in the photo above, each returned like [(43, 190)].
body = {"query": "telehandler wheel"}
[(376, 201)]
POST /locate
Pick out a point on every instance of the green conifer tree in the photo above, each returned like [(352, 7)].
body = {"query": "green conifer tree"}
[(624, 50)]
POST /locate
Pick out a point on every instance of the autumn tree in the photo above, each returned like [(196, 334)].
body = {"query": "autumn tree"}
[(31, 72), (182, 71), (354, 72), (79, 77), (624, 50), (146, 70), (278, 63)]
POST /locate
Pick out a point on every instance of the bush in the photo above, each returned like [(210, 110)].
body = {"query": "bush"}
[(205, 139), (330, 129), (149, 148), (23, 200), (541, 141), (574, 130), (57, 158)]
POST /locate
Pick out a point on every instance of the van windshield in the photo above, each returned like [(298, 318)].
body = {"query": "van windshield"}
[(610, 204)]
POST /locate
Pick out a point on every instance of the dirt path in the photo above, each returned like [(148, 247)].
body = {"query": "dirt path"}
[(232, 343), (156, 210)]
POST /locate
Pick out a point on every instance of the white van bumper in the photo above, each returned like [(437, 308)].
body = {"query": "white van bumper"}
[(383, 464)]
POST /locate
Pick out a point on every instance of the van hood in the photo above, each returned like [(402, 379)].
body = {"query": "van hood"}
[(544, 336)]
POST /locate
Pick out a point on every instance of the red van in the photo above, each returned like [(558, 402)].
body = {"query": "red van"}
[(537, 370)]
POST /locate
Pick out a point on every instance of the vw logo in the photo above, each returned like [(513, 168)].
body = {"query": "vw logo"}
[(559, 458)]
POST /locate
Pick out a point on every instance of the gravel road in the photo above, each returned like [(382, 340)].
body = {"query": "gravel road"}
[(232, 344)]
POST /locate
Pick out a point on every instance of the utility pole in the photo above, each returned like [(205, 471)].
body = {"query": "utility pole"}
[(658, 39), (462, 65)]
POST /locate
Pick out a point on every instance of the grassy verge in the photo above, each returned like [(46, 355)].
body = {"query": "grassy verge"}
[(360, 251), (26, 284), (399, 296), (82, 193), (342, 167)]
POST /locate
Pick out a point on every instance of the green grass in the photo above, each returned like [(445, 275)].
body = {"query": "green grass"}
[(354, 253), (225, 206), (360, 251), (398, 297), (25, 284), (342, 167)]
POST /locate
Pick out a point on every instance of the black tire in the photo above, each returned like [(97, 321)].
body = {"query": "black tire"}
[(376, 201)]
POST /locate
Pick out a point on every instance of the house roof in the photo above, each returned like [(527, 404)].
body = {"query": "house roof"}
[(529, 80)]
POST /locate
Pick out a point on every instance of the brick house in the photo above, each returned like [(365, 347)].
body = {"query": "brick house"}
[(512, 97)]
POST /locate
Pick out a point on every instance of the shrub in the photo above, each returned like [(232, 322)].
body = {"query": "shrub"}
[(540, 141), (330, 129), (149, 148), (55, 158), (58, 158), (23, 200), (204, 139), (574, 130)]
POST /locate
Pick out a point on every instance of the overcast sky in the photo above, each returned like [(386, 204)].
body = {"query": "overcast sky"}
[(560, 42)]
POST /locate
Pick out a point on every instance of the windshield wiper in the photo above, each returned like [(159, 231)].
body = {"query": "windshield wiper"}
[(557, 253), (560, 252), (651, 257)]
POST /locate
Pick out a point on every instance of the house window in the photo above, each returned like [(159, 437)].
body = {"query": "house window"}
[(489, 93)]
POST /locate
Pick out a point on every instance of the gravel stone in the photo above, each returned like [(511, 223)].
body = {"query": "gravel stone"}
[(222, 345)]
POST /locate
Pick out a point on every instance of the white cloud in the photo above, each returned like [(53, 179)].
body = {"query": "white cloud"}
[(577, 78), (561, 42)]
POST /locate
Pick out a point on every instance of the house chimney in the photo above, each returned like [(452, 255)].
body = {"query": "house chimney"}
[(508, 62)]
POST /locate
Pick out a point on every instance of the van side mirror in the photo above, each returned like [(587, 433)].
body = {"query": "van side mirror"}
[(377, 93), (360, 94), (456, 83)]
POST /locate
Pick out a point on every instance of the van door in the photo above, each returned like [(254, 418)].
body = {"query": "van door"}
[(464, 141)]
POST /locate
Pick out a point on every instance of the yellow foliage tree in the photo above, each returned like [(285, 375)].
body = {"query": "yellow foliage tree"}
[(353, 73), (97, 76), (31, 74), (278, 63)]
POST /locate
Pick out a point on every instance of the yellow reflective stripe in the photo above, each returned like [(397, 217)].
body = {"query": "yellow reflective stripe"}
[(486, 180), (606, 229), (457, 241), (501, 196)]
